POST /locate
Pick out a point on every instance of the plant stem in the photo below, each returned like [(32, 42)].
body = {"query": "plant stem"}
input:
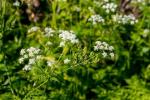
[(54, 4)]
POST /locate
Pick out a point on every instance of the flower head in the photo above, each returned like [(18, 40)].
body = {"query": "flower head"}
[(33, 29), (49, 32), (125, 19), (27, 67), (67, 36), (109, 7), (17, 3), (50, 62), (105, 49), (96, 19), (66, 61), (31, 55)]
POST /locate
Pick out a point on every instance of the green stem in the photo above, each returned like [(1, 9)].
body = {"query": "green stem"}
[(35, 89), (54, 4)]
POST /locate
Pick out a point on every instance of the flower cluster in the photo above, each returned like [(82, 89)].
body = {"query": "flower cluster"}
[(109, 7), (67, 36), (66, 61), (125, 19), (96, 19), (33, 29), (48, 32), (106, 49), (16, 3), (145, 33), (30, 55)]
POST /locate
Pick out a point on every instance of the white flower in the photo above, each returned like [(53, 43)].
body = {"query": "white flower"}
[(98, 42), (21, 60), (132, 22), (109, 7), (105, 48), (101, 46), (66, 61), (17, 3), (104, 54), (37, 51), (125, 19), (34, 84), (145, 33), (22, 52), (50, 62), (104, 43), (111, 48), (38, 57), (33, 29), (107, 11), (49, 32), (73, 41), (27, 67), (62, 44), (96, 19), (31, 55), (96, 48), (25, 56), (68, 36), (112, 55), (31, 61), (33, 51)]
